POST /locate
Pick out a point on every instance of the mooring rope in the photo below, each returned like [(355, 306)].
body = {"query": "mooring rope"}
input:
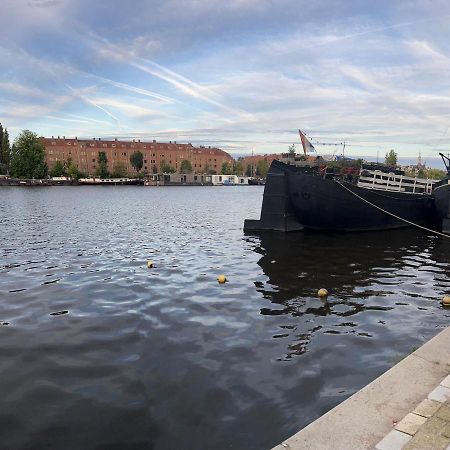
[(391, 214)]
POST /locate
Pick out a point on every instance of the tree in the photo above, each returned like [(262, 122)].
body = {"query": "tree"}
[(248, 170), (102, 169), (391, 158), (58, 169), (262, 168), (238, 168), (292, 150), (226, 169), (209, 170), (1, 144), (167, 168), (1, 140), (186, 166), (137, 160), (435, 174), (119, 170), (28, 157), (5, 150), (73, 172)]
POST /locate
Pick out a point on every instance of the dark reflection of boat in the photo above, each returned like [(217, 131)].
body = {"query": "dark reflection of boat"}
[(366, 275), (441, 195)]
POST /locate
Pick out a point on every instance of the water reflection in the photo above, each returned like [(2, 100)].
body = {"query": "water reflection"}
[(364, 273), (97, 351)]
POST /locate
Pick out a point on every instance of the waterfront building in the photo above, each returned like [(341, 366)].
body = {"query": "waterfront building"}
[(84, 153), (250, 162), (218, 180), (416, 169), (194, 179)]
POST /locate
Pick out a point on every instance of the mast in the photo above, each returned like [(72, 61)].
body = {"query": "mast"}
[(446, 161), (253, 164)]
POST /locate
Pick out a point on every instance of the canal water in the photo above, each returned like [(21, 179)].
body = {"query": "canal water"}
[(99, 352)]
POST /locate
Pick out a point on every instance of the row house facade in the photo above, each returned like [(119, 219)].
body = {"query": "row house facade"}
[(84, 153), (253, 160)]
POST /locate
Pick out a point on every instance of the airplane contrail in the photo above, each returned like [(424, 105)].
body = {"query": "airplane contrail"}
[(92, 103)]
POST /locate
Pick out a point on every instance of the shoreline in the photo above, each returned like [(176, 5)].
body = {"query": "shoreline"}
[(48, 183), (365, 418)]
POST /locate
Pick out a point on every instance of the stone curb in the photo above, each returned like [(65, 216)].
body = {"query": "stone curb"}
[(416, 422)]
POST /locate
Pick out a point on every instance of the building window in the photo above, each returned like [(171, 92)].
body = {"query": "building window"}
[(53, 143), (145, 161), (69, 143), (105, 145), (91, 145), (113, 145), (93, 159)]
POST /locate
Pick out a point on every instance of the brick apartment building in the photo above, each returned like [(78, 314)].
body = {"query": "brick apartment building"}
[(252, 161), (84, 153)]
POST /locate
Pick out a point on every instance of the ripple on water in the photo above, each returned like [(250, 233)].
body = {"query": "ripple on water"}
[(98, 351)]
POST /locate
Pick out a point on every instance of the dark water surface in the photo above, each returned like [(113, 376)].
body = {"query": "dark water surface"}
[(99, 352)]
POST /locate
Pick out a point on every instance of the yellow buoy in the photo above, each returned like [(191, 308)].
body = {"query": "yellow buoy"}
[(322, 292), (446, 300), (149, 264), (222, 279)]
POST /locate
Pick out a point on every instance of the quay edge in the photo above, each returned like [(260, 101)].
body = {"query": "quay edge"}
[(362, 420)]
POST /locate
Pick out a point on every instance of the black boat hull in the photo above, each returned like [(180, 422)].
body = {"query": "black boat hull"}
[(295, 200), (442, 201)]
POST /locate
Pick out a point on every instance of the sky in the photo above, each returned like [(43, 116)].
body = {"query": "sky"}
[(243, 75)]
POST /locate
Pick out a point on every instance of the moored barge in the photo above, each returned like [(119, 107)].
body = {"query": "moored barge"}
[(354, 197)]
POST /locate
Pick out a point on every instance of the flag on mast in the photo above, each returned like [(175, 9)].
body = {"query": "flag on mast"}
[(307, 146)]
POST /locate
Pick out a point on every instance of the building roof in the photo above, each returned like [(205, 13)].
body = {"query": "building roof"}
[(135, 144)]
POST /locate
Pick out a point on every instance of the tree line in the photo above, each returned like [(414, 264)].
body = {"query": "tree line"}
[(26, 159), (5, 150)]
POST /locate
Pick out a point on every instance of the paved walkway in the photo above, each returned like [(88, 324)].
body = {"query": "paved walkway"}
[(427, 427), (408, 407)]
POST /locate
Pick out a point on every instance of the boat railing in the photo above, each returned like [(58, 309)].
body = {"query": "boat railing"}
[(389, 181)]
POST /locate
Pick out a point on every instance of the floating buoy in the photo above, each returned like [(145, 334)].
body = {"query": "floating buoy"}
[(149, 264), (222, 279), (322, 292), (446, 300)]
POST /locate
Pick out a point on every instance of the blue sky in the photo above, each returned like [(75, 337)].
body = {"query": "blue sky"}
[(239, 74)]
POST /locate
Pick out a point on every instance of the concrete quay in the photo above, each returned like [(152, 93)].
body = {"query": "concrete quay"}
[(408, 407)]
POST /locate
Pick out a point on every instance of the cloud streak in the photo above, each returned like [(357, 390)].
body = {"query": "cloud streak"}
[(241, 74)]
